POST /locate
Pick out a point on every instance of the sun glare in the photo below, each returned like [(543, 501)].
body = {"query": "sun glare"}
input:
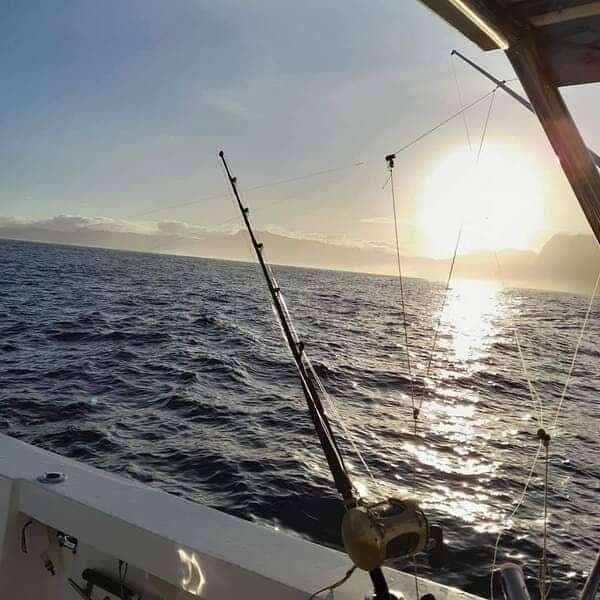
[(499, 200)]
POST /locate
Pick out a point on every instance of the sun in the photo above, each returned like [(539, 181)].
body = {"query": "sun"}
[(498, 200)]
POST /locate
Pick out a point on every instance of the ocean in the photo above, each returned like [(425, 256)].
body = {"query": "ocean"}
[(172, 371)]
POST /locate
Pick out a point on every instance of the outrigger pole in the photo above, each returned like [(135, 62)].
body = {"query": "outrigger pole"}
[(310, 384), (502, 85), (577, 162), (538, 41)]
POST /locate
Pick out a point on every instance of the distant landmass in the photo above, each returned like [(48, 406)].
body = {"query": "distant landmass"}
[(566, 262)]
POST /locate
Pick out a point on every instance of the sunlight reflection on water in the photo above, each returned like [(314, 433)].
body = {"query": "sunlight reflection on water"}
[(468, 319), (467, 325)]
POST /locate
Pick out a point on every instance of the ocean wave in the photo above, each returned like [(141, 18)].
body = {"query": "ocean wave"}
[(172, 371)]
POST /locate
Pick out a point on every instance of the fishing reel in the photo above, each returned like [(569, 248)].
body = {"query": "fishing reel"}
[(392, 529)]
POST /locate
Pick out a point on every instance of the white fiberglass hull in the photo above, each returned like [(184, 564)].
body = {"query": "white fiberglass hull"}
[(173, 548)]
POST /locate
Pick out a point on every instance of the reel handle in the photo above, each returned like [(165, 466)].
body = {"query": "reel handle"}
[(437, 554)]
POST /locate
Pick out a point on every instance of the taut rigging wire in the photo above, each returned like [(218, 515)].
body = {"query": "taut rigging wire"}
[(454, 255)]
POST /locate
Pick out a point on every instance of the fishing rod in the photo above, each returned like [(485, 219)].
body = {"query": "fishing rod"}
[(372, 533), (502, 85), (307, 379)]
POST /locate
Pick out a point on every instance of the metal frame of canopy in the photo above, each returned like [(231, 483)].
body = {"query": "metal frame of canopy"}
[(548, 47), (549, 44)]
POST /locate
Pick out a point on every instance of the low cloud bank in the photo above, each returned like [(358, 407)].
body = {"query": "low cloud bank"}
[(566, 262)]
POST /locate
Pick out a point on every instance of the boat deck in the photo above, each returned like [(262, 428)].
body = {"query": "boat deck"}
[(174, 549)]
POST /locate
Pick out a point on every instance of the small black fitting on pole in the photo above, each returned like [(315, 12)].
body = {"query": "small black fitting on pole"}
[(543, 436), (389, 159)]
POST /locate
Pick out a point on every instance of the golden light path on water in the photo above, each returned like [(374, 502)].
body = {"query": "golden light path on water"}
[(467, 324), (455, 431), (466, 327)]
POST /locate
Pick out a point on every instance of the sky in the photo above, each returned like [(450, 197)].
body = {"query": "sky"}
[(117, 110)]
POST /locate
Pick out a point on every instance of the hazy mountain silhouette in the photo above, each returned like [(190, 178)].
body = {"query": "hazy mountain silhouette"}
[(566, 262)]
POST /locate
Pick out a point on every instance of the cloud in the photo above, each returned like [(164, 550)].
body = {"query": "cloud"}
[(565, 262), (181, 228), (224, 101), (334, 240), (72, 223), (378, 221), (66, 223)]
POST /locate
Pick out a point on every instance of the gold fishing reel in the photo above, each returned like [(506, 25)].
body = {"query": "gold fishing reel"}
[(394, 528)]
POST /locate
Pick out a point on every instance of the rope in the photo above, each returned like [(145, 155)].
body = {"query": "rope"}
[(335, 585)]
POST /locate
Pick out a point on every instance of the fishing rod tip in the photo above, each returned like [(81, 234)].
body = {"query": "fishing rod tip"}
[(453, 52)]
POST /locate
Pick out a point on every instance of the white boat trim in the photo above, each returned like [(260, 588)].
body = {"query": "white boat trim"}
[(170, 544)]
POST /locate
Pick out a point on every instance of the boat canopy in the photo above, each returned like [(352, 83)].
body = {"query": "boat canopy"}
[(567, 32), (550, 43)]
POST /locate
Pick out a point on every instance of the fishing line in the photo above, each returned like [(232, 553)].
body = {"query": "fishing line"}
[(441, 311), (310, 369), (454, 255), (400, 280), (263, 186), (229, 221), (333, 405), (544, 560), (415, 412), (328, 398), (533, 394), (460, 101), (543, 575), (545, 442), (576, 353), (512, 514), (544, 582), (445, 121)]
